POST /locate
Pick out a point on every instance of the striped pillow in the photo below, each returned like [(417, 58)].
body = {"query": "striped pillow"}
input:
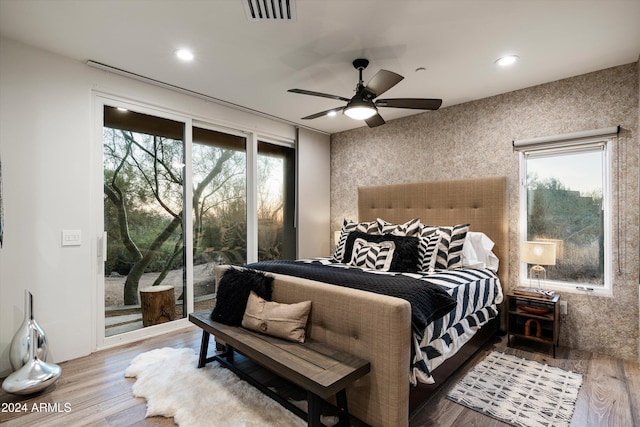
[(458, 234), (409, 228), (440, 255), (372, 256), (449, 249), (347, 227), (427, 251)]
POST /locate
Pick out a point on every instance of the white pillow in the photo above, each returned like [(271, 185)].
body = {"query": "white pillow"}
[(477, 252)]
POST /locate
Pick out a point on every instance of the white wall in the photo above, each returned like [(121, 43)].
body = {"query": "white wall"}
[(314, 156), (49, 170)]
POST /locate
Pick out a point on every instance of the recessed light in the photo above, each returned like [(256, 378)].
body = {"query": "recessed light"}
[(184, 54), (505, 61), (331, 113)]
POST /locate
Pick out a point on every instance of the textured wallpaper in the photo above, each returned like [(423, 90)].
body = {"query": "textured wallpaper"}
[(474, 140)]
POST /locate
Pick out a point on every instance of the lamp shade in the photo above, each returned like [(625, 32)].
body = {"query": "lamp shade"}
[(538, 253)]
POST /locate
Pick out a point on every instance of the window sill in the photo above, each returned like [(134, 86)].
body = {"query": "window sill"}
[(570, 288)]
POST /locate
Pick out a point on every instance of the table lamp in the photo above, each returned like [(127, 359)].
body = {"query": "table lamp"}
[(538, 254)]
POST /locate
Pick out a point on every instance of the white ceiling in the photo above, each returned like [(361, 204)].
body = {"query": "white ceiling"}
[(252, 64)]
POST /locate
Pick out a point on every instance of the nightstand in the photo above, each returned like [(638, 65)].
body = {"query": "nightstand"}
[(534, 319)]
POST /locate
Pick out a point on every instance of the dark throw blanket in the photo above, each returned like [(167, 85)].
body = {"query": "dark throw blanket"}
[(428, 301)]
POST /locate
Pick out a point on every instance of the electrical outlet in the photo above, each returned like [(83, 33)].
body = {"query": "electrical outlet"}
[(563, 308)]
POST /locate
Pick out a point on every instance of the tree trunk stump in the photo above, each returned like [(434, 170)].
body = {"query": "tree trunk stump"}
[(158, 304)]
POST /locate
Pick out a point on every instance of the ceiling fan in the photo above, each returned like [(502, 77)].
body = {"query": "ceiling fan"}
[(362, 106)]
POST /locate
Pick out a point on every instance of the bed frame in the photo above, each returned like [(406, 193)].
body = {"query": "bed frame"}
[(480, 202), (377, 327)]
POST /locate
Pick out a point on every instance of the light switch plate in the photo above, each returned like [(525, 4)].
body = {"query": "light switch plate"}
[(71, 237)]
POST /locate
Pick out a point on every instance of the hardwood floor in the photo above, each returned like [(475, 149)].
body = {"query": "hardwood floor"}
[(93, 390), (609, 396)]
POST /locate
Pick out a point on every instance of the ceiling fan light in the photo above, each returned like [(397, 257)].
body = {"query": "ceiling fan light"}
[(359, 109), (360, 112)]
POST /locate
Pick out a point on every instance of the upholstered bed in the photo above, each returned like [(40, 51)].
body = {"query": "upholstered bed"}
[(381, 328)]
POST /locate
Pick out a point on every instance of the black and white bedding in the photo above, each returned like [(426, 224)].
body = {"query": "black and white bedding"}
[(428, 301), (448, 306), (478, 294), (447, 273)]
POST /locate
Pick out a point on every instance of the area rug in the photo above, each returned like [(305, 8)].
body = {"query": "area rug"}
[(519, 392), (173, 386)]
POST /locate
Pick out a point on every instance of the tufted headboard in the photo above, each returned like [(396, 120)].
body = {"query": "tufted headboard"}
[(481, 202)]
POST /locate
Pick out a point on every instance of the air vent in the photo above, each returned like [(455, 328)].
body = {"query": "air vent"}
[(270, 10)]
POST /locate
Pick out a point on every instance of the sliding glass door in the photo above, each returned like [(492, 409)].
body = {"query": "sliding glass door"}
[(219, 164), (159, 264), (143, 163)]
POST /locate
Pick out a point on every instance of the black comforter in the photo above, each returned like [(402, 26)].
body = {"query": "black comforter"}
[(428, 301)]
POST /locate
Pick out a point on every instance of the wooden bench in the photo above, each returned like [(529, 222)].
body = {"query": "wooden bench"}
[(320, 370)]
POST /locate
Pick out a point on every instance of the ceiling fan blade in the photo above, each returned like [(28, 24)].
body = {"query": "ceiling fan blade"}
[(323, 113), (374, 121), (381, 82), (323, 95), (414, 103)]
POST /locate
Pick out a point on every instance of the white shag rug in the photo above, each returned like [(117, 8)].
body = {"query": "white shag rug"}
[(173, 386), (519, 392)]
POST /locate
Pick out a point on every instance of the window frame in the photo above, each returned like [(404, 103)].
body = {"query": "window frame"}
[(563, 145)]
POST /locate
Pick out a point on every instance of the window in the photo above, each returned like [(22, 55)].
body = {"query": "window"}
[(565, 200), (276, 202)]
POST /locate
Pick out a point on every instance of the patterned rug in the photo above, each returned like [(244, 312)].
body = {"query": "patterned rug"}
[(519, 392)]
